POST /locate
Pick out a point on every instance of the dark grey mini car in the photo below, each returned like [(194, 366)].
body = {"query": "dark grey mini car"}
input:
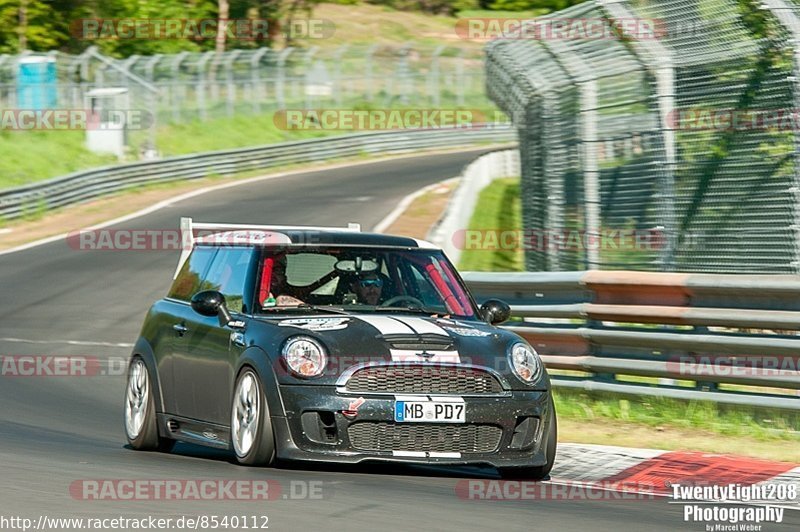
[(334, 345)]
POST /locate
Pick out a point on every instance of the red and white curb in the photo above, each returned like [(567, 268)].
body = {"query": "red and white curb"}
[(603, 465)]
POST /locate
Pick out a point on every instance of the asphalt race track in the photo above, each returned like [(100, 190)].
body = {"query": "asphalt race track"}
[(56, 431)]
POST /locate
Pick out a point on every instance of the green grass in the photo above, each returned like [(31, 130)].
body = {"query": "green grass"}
[(728, 420), (499, 209), (486, 13), (28, 156), (223, 133)]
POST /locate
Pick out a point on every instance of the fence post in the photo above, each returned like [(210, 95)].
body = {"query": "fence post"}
[(788, 17), (255, 79), (591, 171), (658, 59), (280, 80), (337, 79), (230, 91), (175, 68), (202, 82)]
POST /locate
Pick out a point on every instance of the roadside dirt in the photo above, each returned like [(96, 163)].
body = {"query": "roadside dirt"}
[(423, 212)]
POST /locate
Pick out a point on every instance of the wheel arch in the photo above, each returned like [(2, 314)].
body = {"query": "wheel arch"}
[(144, 350), (256, 358)]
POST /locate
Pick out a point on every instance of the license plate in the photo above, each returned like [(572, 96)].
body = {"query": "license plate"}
[(432, 411)]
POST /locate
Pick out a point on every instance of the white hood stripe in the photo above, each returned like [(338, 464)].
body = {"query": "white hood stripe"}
[(422, 326), (410, 325), (387, 325)]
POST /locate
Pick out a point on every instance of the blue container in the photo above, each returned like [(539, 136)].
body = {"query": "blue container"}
[(37, 81)]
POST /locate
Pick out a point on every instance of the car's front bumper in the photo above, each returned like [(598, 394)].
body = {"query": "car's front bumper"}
[(296, 442)]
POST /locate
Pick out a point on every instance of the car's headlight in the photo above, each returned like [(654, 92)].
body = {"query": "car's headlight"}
[(525, 362), (304, 356)]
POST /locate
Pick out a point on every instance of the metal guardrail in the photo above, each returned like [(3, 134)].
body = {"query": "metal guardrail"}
[(81, 186), (731, 339)]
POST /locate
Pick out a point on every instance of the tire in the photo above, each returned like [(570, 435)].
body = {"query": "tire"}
[(538, 472), (140, 411), (252, 437)]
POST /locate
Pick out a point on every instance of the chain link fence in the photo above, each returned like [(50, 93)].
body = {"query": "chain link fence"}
[(670, 149), (184, 87)]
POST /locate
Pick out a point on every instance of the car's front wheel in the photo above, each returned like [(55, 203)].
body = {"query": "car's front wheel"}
[(140, 411), (543, 471), (251, 427)]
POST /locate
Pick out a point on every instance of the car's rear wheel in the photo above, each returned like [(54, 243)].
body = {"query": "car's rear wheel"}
[(140, 411), (543, 471), (251, 427)]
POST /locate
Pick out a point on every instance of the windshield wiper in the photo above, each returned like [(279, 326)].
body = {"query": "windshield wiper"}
[(305, 308), (411, 308)]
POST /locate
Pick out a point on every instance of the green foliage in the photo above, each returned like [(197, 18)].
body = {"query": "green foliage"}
[(498, 209), (760, 423), (56, 24), (525, 5)]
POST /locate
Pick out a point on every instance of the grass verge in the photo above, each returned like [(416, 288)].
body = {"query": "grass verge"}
[(499, 209)]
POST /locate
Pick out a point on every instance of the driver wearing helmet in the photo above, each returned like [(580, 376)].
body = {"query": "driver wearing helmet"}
[(368, 288)]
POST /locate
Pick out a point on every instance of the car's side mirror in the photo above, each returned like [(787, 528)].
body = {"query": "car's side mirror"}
[(211, 303), (495, 311)]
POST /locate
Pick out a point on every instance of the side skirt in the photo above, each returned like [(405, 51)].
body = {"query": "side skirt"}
[(194, 431)]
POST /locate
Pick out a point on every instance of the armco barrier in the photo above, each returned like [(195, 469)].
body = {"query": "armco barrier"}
[(84, 185), (725, 338)]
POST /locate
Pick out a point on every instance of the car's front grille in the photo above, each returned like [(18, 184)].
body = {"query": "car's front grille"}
[(382, 436), (423, 379), (419, 342)]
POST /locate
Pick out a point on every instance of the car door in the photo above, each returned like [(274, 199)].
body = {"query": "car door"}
[(172, 313), (205, 367)]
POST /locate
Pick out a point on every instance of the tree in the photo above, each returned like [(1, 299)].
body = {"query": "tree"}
[(223, 14)]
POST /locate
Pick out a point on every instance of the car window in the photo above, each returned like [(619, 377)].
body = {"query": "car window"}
[(329, 276), (228, 275), (190, 278), (427, 293), (304, 268)]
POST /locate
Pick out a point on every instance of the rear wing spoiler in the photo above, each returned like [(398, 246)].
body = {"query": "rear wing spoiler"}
[(242, 233)]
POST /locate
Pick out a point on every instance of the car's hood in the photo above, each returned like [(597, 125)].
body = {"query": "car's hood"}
[(375, 338)]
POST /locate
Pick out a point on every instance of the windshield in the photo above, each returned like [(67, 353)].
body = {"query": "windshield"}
[(372, 280)]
